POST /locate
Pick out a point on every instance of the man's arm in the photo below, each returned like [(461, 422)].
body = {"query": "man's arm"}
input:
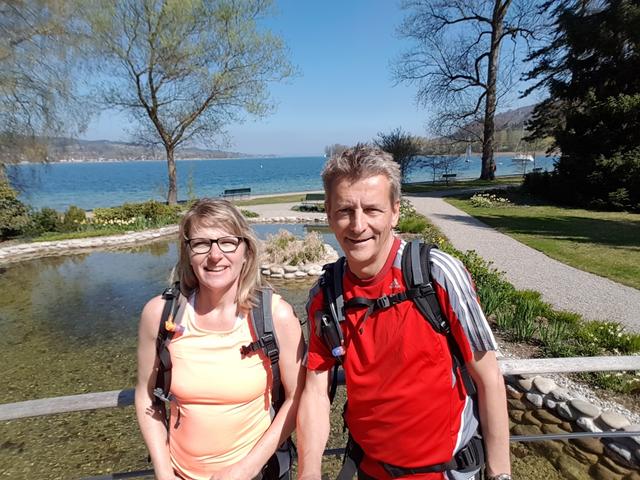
[(492, 402), (312, 428)]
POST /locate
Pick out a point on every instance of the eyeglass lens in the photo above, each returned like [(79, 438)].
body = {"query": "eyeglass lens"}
[(203, 245)]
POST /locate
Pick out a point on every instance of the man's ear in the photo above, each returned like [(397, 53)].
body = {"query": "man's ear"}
[(396, 213)]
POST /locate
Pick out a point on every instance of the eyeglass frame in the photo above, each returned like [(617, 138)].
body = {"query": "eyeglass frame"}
[(216, 241)]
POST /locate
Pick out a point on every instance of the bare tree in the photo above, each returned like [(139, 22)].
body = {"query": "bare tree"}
[(404, 147), (185, 70), (462, 62)]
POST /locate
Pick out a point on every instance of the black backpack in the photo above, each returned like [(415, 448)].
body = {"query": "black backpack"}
[(416, 272), (279, 464)]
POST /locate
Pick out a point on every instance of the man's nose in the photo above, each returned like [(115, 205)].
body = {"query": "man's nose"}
[(357, 221)]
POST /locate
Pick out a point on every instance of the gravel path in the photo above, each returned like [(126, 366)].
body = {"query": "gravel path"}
[(565, 287)]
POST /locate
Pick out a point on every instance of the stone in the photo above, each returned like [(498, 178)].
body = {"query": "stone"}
[(534, 398), (621, 454), (632, 476), (266, 272), (550, 403), (586, 409), (544, 385), (516, 415), (529, 418), (587, 424), (300, 274), (551, 429), (561, 395), (582, 456), (290, 269), (612, 462), (526, 430), (513, 393), (277, 270), (289, 275), (277, 275), (600, 472), (525, 383), (613, 420), (589, 444), (305, 268), (565, 411), (633, 428), (572, 469), (545, 416), (513, 404)]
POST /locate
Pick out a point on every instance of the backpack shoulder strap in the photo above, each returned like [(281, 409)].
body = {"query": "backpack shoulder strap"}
[(266, 340), (169, 320), (416, 271)]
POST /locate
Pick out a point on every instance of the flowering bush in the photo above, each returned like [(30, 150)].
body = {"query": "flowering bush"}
[(488, 200)]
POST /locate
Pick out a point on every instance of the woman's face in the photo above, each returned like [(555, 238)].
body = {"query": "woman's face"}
[(218, 269)]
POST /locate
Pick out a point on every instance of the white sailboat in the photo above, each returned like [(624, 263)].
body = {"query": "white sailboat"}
[(467, 154)]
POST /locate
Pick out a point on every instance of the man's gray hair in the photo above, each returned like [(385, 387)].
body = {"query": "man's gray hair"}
[(359, 162)]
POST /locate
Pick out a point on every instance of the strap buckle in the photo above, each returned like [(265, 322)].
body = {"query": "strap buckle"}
[(159, 393), (383, 302)]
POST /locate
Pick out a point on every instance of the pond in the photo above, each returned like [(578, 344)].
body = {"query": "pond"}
[(69, 326)]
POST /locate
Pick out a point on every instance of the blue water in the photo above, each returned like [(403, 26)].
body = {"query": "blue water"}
[(91, 185)]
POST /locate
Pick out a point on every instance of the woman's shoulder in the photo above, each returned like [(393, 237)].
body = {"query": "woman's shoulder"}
[(152, 312)]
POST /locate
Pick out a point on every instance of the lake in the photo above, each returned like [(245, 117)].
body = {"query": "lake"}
[(91, 185)]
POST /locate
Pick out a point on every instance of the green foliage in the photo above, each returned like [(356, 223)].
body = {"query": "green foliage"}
[(150, 213), (249, 213), (46, 220), (412, 224), (593, 111), (528, 306), (74, 219), (14, 215), (489, 200)]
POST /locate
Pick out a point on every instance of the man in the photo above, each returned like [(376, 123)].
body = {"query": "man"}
[(408, 409)]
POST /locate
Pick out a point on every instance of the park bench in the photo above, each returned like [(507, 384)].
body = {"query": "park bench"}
[(448, 176), (537, 170), (236, 192), (312, 199)]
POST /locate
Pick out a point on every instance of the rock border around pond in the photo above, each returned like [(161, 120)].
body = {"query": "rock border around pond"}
[(301, 271), (537, 405)]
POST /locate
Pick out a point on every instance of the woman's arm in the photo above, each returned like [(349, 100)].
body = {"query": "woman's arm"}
[(150, 417), (291, 345)]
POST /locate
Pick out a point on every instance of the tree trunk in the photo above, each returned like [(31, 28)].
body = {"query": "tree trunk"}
[(172, 194), (488, 162)]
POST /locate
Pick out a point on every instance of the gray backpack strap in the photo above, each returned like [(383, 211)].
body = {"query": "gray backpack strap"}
[(266, 340)]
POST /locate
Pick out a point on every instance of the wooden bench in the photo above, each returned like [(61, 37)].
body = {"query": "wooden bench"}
[(313, 199), (447, 176), (236, 192), (537, 170)]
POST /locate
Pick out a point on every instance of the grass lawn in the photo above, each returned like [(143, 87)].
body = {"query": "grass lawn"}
[(293, 198), (604, 243), (460, 184)]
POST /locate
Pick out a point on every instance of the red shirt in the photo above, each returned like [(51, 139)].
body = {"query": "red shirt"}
[(406, 404)]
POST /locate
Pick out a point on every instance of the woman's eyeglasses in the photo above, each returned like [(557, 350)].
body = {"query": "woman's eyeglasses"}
[(203, 245)]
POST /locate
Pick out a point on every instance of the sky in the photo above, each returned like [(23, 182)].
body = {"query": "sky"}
[(344, 91)]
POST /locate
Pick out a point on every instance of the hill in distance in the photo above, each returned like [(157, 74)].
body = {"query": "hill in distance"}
[(75, 150)]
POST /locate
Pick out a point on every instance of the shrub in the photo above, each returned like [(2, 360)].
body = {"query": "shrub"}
[(14, 215), (249, 213), (488, 200), (415, 224), (148, 214), (46, 220), (74, 218)]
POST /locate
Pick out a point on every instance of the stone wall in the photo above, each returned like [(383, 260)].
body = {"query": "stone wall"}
[(537, 405)]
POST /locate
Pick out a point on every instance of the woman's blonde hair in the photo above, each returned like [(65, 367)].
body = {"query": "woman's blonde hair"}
[(222, 214)]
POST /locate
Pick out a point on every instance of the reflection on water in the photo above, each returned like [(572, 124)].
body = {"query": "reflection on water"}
[(65, 318)]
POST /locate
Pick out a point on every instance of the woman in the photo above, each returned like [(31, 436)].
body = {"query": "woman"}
[(220, 396)]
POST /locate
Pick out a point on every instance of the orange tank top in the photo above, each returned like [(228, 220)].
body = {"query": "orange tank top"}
[(221, 399)]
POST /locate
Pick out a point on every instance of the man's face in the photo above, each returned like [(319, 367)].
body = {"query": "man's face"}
[(362, 217)]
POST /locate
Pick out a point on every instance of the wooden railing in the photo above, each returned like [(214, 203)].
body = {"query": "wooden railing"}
[(123, 398)]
